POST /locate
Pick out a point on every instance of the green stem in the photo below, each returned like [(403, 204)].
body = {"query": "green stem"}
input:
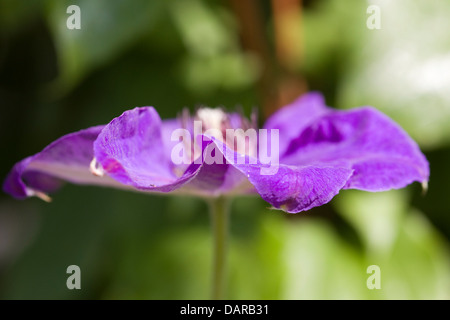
[(219, 219)]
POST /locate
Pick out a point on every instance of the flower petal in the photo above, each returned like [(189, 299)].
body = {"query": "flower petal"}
[(216, 178), (295, 189), (135, 150), (67, 158), (290, 188), (168, 126), (381, 153), (131, 150), (292, 119)]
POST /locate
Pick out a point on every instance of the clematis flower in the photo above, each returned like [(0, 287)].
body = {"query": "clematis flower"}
[(320, 152)]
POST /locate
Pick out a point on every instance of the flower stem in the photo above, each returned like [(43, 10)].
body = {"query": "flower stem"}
[(219, 219)]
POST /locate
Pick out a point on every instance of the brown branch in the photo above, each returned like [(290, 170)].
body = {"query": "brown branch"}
[(278, 84)]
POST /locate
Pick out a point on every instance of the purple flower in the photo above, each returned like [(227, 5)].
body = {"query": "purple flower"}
[(321, 151)]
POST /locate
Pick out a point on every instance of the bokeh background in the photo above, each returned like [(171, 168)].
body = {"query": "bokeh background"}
[(185, 53)]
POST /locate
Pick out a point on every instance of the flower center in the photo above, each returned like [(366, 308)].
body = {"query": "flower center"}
[(212, 118), (213, 121), (234, 129)]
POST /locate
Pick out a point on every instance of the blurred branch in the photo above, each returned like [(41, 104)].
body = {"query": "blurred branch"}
[(249, 16), (287, 16), (288, 33), (279, 84)]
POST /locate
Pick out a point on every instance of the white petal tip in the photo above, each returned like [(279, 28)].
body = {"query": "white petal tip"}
[(41, 195), (96, 169), (281, 208), (424, 187)]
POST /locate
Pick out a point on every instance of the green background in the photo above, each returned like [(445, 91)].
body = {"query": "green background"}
[(184, 53)]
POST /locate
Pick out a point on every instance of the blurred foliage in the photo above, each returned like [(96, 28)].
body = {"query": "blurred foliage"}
[(402, 69), (172, 54), (115, 24)]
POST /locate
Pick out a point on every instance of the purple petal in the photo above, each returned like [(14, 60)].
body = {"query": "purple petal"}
[(296, 189), (291, 188), (168, 126), (380, 152), (135, 149), (216, 178), (67, 158), (131, 150), (292, 119)]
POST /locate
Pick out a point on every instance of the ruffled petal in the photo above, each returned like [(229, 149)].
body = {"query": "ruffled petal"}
[(132, 151), (289, 188), (216, 178), (379, 151), (135, 149), (292, 119), (295, 189), (67, 158)]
